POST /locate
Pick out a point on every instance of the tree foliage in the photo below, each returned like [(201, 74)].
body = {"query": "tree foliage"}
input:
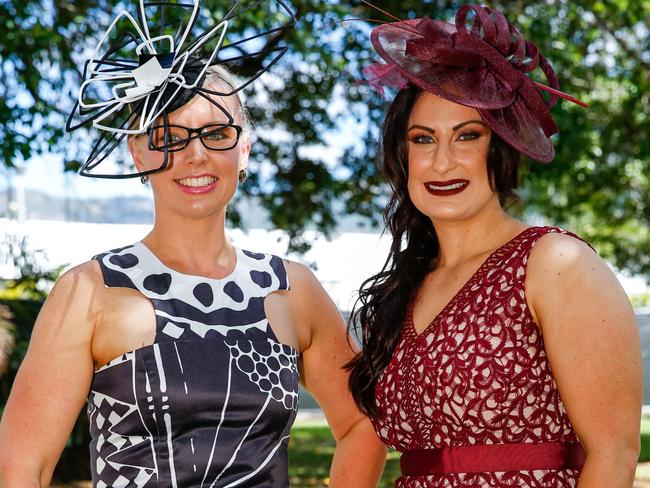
[(598, 184)]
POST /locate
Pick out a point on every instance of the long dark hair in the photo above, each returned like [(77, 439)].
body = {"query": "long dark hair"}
[(380, 309)]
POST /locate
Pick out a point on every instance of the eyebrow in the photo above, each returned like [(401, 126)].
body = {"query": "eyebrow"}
[(454, 128)]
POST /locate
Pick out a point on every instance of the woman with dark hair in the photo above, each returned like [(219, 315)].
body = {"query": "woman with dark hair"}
[(187, 350), (494, 353)]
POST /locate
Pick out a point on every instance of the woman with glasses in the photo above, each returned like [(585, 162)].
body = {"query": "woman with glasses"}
[(188, 350)]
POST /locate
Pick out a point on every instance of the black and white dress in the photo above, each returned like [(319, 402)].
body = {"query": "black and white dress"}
[(211, 402)]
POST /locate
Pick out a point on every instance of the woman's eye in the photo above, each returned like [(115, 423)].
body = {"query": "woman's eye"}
[(421, 139), (469, 136), (215, 136)]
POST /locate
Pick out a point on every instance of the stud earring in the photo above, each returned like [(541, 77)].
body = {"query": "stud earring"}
[(243, 175), (144, 179)]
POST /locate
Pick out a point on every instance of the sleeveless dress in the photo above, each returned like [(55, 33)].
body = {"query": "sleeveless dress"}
[(477, 375), (211, 402)]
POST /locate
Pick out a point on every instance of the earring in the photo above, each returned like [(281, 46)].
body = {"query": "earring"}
[(243, 175), (144, 179)]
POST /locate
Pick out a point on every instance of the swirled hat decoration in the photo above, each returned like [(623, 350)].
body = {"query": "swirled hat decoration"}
[(484, 64), (147, 66)]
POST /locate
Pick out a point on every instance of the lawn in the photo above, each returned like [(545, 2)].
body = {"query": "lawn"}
[(310, 454), (645, 440)]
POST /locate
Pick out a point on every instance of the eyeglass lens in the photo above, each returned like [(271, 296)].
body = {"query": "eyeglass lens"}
[(214, 136)]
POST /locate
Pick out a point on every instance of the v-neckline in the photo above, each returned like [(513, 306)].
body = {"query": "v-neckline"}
[(410, 324)]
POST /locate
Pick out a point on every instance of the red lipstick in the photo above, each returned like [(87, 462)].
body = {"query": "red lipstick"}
[(446, 188)]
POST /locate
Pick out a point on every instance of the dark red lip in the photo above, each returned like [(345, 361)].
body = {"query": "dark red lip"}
[(440, 192)]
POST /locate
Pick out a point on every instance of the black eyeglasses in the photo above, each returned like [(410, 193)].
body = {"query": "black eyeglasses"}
[(216, 137)]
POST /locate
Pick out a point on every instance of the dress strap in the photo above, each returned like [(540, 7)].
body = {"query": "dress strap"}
[(114, 265)]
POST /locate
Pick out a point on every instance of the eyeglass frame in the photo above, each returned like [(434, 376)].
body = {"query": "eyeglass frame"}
[(191, 131)]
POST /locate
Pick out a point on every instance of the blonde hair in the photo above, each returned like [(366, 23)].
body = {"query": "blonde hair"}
[(218, 73)]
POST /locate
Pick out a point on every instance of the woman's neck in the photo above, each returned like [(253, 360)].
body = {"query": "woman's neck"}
[(193, 246), (461, 241)]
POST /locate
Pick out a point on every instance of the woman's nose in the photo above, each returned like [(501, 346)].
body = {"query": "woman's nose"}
[(195, 152), (442, 159)]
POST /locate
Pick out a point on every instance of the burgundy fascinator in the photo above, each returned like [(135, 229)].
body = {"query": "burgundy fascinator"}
[(484, 64)]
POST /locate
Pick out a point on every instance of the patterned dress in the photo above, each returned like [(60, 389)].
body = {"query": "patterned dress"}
[(477, 375), (211, 402)]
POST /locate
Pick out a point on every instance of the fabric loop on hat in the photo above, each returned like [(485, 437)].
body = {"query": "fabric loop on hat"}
[(482, 62)]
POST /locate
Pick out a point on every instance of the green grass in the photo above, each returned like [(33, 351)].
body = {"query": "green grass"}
[(645, 440), (310, 453)]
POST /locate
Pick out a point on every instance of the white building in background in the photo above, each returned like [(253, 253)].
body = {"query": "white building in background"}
[(341, 264)]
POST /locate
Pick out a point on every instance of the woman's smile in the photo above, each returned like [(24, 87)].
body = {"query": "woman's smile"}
[(198, 184), (446, 188)]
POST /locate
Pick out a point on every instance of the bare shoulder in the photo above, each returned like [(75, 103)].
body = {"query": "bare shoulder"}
[(55, 376), (89, 272), (304, 283), (76, 297), (84, 279), (309, 300), (299, 273), (565, 272), (557, 255)]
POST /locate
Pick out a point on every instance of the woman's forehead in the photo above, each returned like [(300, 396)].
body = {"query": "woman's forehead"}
[(434, 109), (199, 111)]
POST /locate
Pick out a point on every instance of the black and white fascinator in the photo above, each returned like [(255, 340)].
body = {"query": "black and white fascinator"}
[(146, 66)]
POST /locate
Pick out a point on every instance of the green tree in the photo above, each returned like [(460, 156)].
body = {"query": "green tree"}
[(598, 184), (33, 280)]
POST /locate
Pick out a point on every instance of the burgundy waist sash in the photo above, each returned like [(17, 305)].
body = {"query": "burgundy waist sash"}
[(488, 458)]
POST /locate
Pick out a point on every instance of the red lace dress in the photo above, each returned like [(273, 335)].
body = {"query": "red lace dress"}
[(477, 375)]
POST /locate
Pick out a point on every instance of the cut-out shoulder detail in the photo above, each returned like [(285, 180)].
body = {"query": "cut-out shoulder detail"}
[(128, 322), (307, 301), (79, 290)]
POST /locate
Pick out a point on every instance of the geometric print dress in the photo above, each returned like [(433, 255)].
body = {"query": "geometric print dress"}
[(211, 402), (477, 379)]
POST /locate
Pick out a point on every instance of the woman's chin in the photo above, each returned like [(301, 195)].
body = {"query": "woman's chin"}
[(447, 213), (197, 210)]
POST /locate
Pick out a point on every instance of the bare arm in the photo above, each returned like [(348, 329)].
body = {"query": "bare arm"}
[(592, 344), (360, 455), (51, 385)]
